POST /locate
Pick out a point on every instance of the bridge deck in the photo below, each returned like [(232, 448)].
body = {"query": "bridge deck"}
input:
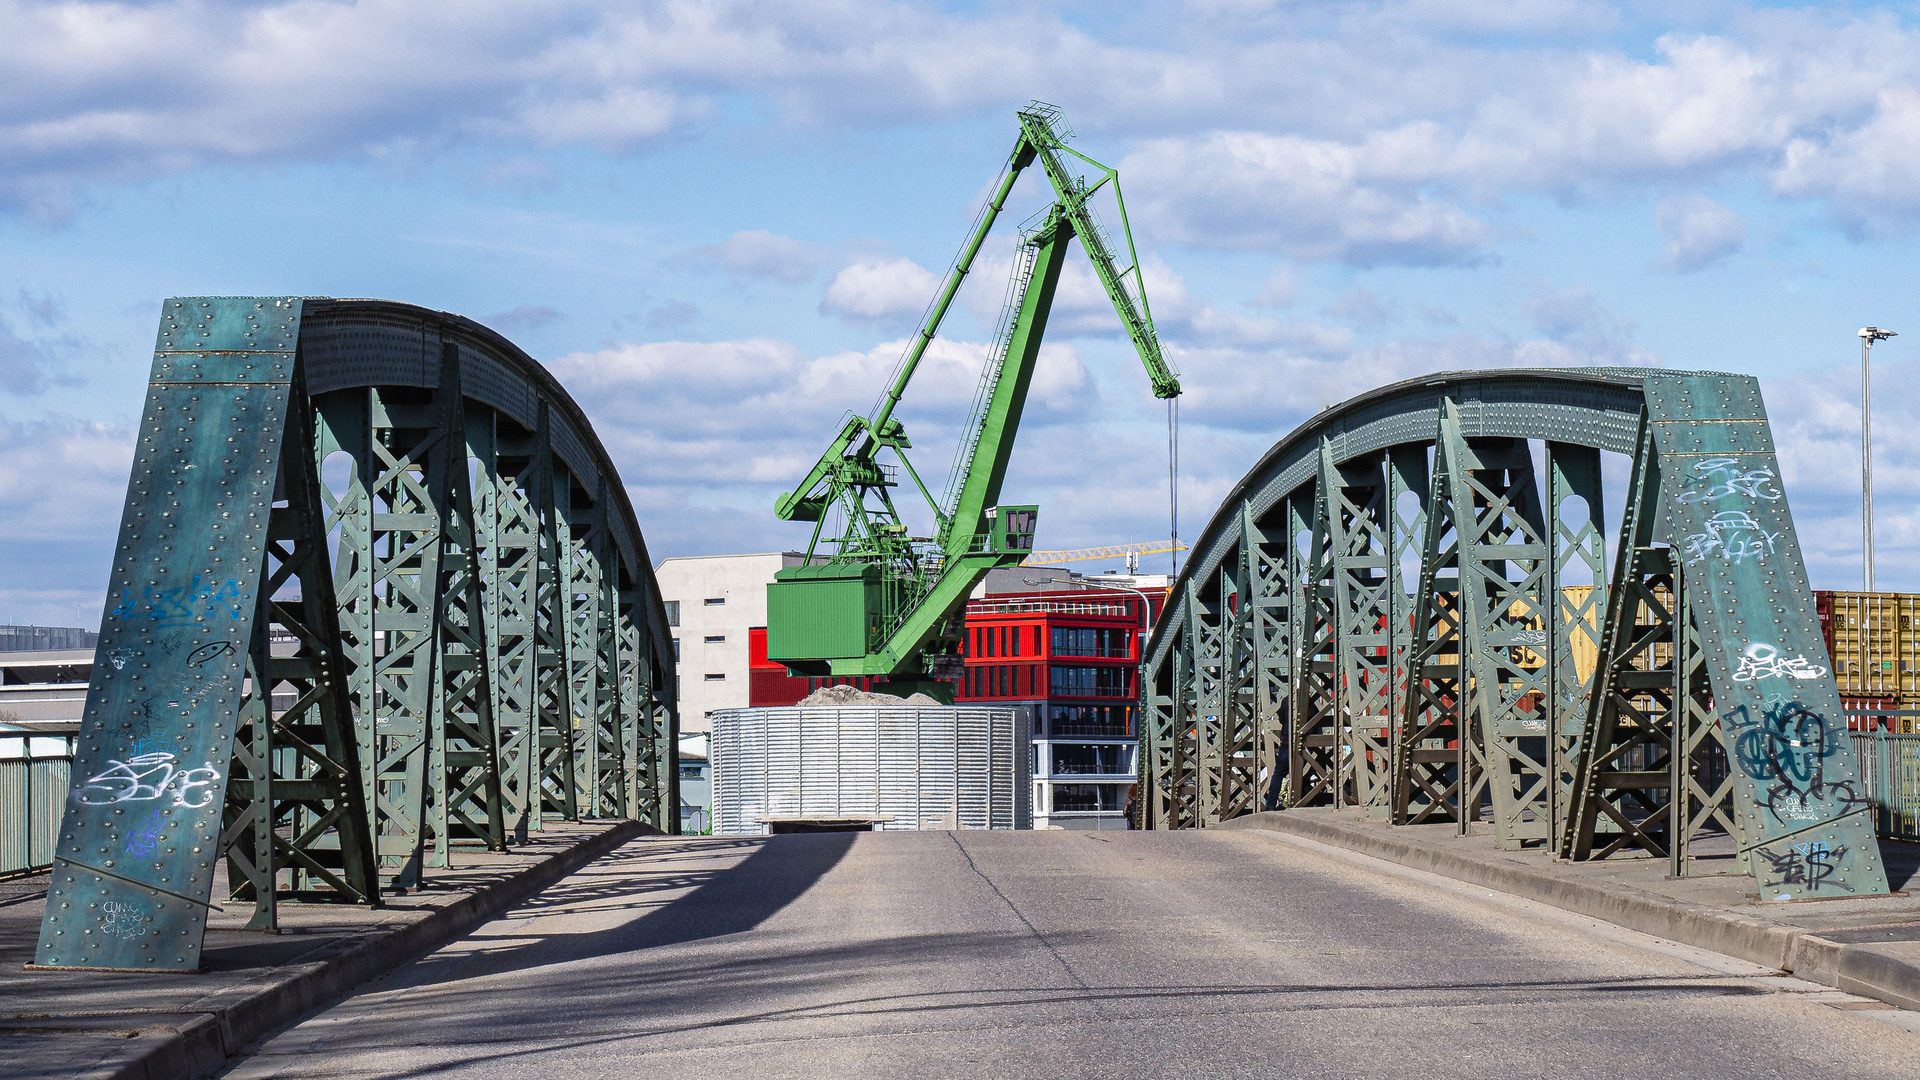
[(1216, 952)]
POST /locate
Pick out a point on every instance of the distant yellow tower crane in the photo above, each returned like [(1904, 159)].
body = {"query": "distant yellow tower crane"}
[(1111, 551)]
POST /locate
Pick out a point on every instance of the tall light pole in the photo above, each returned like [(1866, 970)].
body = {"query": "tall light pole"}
[(1868, 335)]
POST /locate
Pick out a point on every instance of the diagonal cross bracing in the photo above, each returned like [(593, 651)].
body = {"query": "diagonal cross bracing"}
[(345, 608), (1433, 632)]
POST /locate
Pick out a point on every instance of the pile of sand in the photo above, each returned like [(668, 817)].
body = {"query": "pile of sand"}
[(847, 695)]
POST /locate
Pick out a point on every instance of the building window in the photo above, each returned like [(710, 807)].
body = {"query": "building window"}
[(716, 676), (690, 772), (1070, 759), (1089, 681), (1088, 797), (1036, 641), (1091, 641), (716, 639), (715, 601), (676, 650), (1014, 633), (673, 613)]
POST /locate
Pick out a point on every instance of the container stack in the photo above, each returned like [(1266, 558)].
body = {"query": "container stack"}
[(1872, 640)]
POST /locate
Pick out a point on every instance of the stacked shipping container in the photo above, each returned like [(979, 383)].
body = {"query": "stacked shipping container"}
[(1874, 642)]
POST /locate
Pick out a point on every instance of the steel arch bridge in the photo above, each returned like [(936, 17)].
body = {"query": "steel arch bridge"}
[(378, 594), (1407, 608)]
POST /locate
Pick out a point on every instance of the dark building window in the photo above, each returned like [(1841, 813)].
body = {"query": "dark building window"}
[(673, 613), (1090, 682), (715, 601), (1072, 760), (1084, 797), (1099, 721), (1091, 641)]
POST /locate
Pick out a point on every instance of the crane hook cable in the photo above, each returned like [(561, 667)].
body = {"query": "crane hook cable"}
[(1173, 482)]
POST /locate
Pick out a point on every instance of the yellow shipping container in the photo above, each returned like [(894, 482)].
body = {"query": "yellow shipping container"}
[(1875, 642)]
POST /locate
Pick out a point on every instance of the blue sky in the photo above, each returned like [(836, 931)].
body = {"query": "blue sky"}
[(718, 222)]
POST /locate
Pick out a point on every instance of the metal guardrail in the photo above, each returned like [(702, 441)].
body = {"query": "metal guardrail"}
[(1890, 774), (33, 792)]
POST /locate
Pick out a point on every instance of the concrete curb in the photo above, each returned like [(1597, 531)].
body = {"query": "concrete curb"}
[(224, 1022), (1856, 969)]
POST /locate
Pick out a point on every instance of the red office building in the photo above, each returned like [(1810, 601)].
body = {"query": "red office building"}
[(1069, 649)]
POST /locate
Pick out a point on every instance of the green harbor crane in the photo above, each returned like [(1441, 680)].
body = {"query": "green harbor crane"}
[(886, 603)]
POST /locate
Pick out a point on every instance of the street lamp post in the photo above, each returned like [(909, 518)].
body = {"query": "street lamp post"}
[(1868, 335)]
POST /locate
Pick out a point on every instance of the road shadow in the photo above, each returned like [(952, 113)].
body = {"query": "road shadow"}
[(711, 902)]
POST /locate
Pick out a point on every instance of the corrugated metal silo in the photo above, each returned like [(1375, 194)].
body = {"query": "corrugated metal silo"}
[(908, 767)]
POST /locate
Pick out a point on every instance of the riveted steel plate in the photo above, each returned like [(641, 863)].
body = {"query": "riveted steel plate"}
[(1806, 815), (138, 841)]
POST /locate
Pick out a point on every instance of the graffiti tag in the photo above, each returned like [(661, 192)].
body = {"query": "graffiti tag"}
[(183, 605), (1732, 535), (208, 653), (147, 778), (1723, 476), (1763, 661), (144, 840), (122, 920), (1811, 865), (1785, 753)]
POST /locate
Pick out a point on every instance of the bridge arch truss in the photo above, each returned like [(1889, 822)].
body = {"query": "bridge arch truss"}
[(1412, 606), (378, 595)]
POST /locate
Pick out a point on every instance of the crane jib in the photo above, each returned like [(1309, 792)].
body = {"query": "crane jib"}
[(879, 602)]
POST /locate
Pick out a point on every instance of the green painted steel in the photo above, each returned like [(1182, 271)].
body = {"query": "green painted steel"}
[(378, 596), (904, 628), (1509, 686), (135, 871)]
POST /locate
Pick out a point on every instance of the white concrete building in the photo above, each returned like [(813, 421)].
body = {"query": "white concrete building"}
[(712, 601)]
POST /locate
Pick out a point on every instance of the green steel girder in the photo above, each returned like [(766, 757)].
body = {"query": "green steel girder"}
[(1527, 695), (339, 631)]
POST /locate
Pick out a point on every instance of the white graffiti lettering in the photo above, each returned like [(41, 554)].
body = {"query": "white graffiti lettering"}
[(123, 920), (148, 777), (1763, 661), (1732, 535), (1724, 477)]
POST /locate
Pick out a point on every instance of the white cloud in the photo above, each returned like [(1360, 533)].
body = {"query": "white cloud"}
[(879, 288), (64, 478), (1271, 130), (1312, 199), (757, 253), (1699, 232)]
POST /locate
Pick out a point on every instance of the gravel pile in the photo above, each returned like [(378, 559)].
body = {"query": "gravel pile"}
[(847, 695)]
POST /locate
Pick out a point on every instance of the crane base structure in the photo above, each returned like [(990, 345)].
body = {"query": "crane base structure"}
[(882, 602), (1407, 608)]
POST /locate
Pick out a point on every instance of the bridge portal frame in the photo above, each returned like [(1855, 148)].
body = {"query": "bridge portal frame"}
[(1701, 704), (378, 595)]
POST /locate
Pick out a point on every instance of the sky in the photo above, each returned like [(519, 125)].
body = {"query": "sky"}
[(718, 223)]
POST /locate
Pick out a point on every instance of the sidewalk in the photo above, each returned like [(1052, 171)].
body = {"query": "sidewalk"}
[(1869, 947), (152, 1025)]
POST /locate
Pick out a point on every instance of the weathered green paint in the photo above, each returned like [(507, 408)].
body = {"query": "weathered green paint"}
[(261, 698), (1708, 650), (135, 866)]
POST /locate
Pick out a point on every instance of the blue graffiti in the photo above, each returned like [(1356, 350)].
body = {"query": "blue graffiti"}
[(144, 840), (1785, 753), (185, 604)]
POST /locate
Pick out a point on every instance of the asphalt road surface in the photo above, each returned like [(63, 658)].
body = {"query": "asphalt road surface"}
[(1060, 954)]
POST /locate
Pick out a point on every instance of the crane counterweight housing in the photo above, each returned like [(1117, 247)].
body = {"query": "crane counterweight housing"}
[(880, 601)]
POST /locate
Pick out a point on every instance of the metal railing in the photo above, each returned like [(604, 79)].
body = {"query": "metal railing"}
[(33, 792), (1890, 774)]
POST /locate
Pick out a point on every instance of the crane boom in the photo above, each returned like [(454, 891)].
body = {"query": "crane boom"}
[(883, 602)]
